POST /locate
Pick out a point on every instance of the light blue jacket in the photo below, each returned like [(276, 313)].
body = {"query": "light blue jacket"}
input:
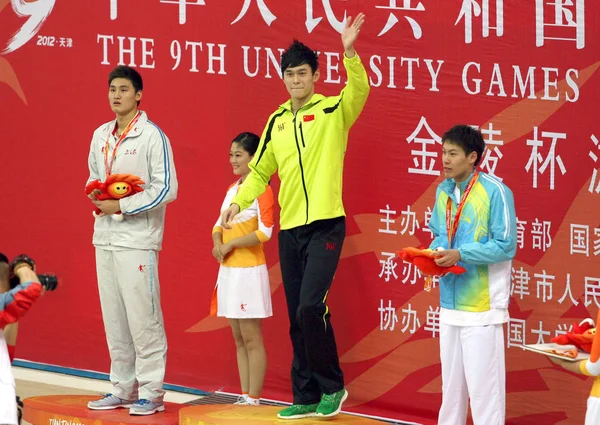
[(486, 239)]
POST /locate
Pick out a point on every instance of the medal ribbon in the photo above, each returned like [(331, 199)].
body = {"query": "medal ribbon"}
[(108, 166), (453, 226)]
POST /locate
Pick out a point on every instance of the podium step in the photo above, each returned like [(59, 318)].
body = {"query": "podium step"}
[(72, 410), (228, 414)]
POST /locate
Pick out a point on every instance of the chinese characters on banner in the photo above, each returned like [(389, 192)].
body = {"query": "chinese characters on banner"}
[(492, 64), (550, 16)]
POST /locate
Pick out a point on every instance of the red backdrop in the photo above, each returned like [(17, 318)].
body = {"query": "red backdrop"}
[(525, 72)]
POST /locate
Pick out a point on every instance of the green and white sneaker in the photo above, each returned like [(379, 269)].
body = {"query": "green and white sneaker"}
[(298, 411), (331, 404)]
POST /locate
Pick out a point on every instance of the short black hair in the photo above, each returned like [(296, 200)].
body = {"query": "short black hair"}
[(128, 73), (469, 139), (248, 141), (299, 54), (3, 258)]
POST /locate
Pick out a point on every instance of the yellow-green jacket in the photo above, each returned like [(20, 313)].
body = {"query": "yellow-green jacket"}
[(308, 150)]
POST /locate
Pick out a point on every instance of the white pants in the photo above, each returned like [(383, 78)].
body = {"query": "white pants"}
[(133, 322), (592, 415), (473, 367), (8, 397)]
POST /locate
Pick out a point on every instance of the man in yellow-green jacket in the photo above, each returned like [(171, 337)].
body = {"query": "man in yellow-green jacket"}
[(305, 141)]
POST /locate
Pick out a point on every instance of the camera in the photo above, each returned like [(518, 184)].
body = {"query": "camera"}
[(48, 281)]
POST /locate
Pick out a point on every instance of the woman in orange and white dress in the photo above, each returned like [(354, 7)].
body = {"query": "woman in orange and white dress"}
[(242, 293)]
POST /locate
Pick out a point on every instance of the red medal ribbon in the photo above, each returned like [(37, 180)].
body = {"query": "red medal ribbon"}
[(108, 166), (453, 226)]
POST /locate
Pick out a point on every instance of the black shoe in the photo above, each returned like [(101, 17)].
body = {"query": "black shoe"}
[(19, 409)]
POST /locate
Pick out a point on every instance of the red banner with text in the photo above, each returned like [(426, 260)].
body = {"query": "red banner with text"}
[(524, 72)]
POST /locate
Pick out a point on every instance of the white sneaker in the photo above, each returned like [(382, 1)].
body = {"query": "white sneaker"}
[(109, 402), (242, 400), (248, 403), (146, 407)]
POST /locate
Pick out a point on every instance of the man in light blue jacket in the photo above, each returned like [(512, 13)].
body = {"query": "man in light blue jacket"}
[(474, 225)]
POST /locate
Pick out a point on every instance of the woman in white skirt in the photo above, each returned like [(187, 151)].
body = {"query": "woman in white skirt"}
[(242, 293)]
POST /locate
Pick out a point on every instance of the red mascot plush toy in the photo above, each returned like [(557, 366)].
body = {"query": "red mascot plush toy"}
[(585, 337), (424, 260), (581, 337), (115, 187)]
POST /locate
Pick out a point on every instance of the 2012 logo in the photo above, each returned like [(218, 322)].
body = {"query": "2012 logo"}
[(36, 13)]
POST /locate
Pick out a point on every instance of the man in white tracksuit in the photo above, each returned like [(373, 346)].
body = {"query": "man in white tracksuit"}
[(127, 250)]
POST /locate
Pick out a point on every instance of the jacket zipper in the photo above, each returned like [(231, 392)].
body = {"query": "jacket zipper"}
[(302, 136), (450, 247), (300, 161)]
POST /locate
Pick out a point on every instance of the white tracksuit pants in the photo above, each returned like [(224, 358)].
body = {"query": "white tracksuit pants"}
[(8, 397), (133, 321), (473, 367), (592, 414)]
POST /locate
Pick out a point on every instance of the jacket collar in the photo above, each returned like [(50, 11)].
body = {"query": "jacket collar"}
[(134, 132), (449, 185), (316, 98)]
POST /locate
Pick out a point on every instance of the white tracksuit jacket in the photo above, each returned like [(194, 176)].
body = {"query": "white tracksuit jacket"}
[(145, 152)]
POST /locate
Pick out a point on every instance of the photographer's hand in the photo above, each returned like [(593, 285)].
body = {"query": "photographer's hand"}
[(13, 307), (25, 274), (108, 207)]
